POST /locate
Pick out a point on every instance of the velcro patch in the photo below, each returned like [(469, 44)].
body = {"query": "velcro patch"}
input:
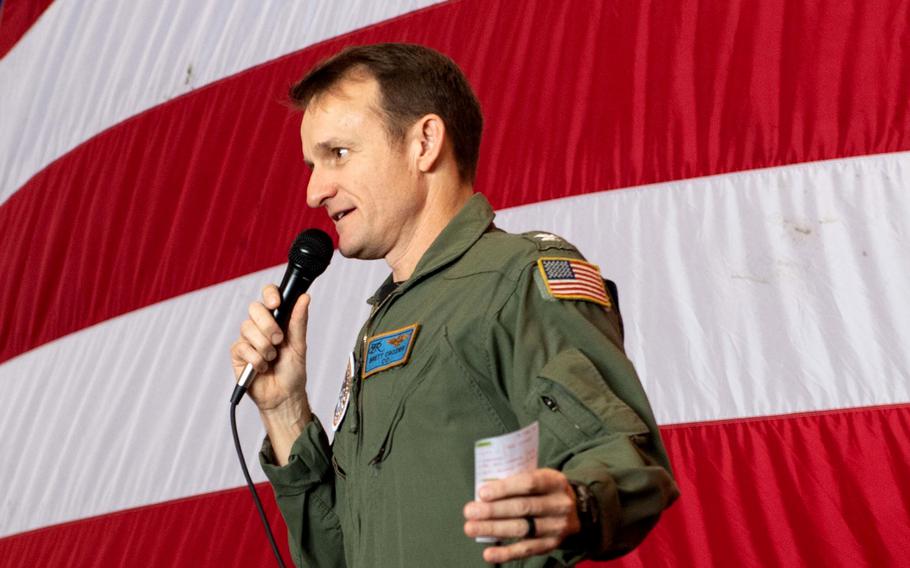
[(544, 237), (344, 397), (573, 279), (387, 350)]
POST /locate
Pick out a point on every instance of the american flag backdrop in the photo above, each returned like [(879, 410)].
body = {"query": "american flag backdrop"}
[(740, 169)]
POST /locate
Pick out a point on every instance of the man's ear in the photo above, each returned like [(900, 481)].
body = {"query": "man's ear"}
[(431, 134)]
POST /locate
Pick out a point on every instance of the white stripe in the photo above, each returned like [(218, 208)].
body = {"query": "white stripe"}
[(134, 410), (763, 292), (85, 66)]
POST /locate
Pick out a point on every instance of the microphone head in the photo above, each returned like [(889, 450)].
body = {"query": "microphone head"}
[(311, 252)]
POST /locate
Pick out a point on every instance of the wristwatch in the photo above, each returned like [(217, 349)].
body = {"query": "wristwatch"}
[(588, 514)]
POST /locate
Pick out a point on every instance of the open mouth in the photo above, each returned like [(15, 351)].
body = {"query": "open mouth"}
[(340, 215)]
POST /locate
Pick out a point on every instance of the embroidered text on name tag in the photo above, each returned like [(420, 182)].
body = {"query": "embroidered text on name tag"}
[(388, 350)]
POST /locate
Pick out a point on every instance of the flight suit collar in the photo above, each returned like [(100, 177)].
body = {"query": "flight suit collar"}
[(459, 235)]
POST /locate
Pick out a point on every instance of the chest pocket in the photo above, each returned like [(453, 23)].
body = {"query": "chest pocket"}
[(575, 405), (388, 392), (446, 400)]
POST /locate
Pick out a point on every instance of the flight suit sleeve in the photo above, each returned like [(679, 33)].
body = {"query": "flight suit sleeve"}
[(305, 492), (562, 363)]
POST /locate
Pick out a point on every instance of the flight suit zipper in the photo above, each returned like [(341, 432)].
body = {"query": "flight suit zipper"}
[(355, 427), (553, 406), (550, 403)]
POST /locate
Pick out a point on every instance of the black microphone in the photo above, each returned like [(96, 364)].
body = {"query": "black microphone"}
[(308, 258)]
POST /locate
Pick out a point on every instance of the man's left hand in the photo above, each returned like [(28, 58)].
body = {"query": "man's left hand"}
[(506, 505)]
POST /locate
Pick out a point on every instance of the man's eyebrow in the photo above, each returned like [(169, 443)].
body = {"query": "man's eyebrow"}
[(326, 146)]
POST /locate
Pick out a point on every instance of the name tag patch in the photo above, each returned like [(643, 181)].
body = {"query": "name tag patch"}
[(387, 350), (573, 279)]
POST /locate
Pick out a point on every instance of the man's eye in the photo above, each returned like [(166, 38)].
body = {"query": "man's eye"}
[(340, 152)]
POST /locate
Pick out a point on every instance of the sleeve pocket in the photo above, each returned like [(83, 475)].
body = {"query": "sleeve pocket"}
[(572, 399)]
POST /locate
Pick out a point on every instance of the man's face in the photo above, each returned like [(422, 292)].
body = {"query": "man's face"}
[(368, 184)]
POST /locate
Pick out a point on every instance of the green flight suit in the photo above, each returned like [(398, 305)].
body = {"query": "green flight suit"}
[(494, 351)]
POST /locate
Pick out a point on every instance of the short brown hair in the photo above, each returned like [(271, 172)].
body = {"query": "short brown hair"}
[(413, 81)]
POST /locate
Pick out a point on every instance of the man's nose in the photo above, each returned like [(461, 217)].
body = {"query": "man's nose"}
[(319, 188)]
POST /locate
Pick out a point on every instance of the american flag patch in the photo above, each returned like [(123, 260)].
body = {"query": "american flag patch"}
[(573, 279)]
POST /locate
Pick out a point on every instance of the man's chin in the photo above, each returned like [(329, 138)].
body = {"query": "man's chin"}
[(359, 252)]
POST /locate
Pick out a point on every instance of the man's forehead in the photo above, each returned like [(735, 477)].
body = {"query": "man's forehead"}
[(349, 89), (347, 106)]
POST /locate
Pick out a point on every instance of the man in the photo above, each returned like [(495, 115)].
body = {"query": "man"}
[(474, 334)]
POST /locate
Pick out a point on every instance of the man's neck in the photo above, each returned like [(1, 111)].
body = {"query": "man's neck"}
[(443, 205)]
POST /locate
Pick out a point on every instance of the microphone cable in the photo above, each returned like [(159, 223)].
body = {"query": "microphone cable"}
[(249, 483), (308, 257)]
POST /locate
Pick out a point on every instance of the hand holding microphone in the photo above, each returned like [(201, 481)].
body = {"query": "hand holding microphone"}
[(279, 361), (272, 341)]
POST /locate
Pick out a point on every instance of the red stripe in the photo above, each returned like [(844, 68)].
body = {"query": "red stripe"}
[(216, 529), (579, 290), (814, 489), (586, 274), (210, 186), (16, 18), (575, 286), (587, 279), (581, 295)]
